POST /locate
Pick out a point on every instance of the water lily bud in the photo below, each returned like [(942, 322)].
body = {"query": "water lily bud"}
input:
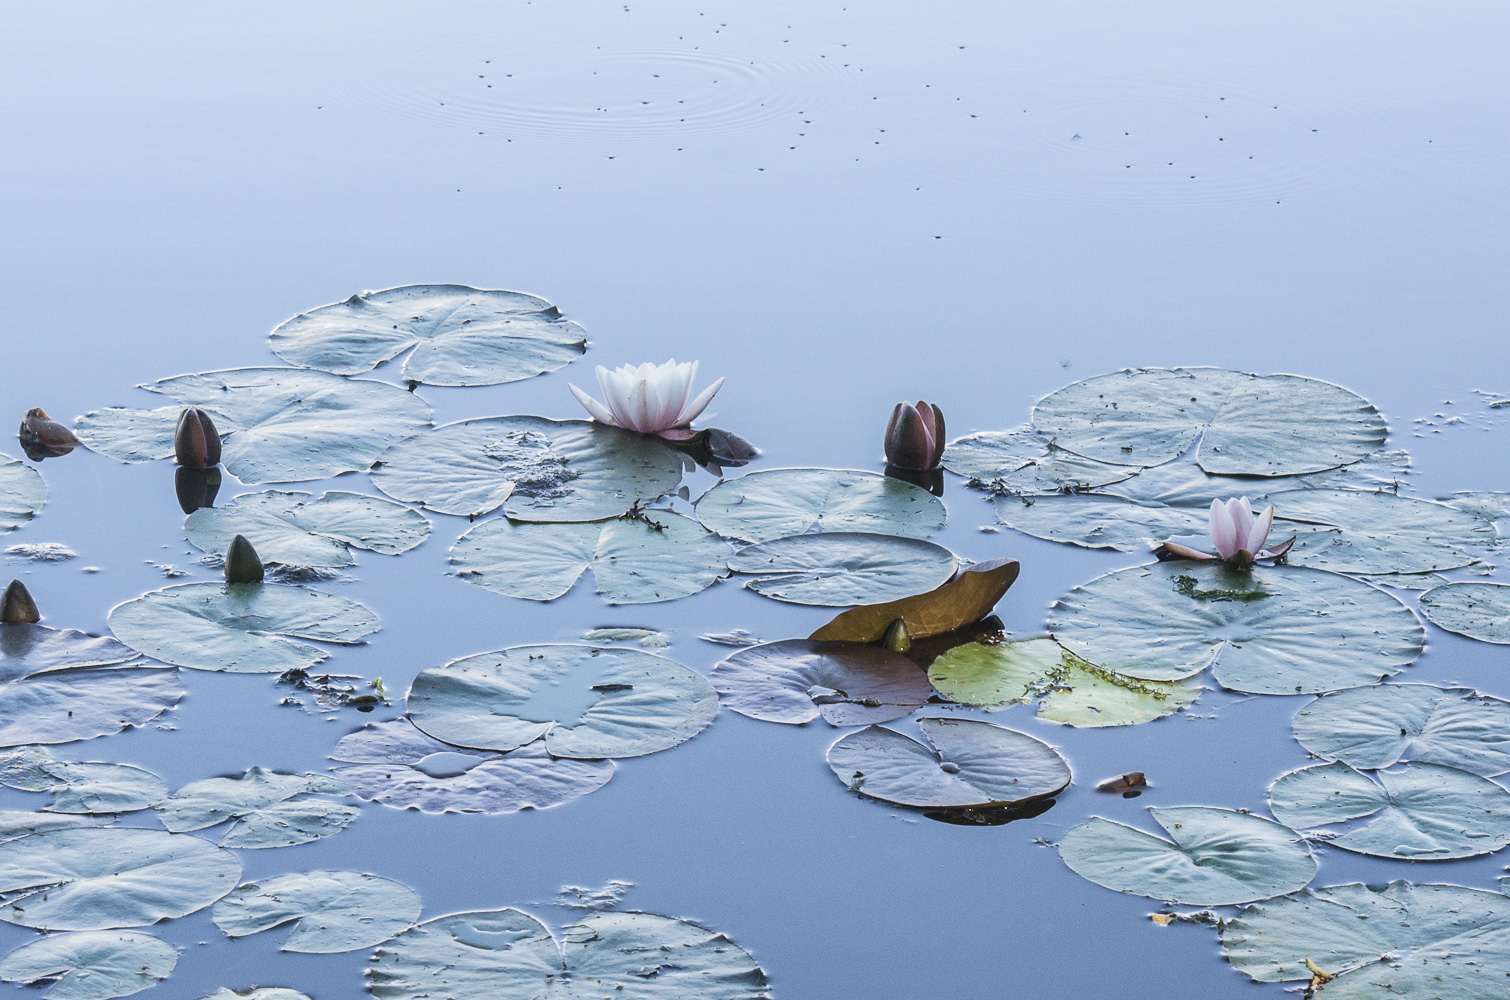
[(17, 607), (43, 437), (196, 443), (896, 638), (914, 436), (242, 564)]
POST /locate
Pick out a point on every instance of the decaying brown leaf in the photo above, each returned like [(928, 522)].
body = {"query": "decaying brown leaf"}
[(1122, 782), (967, 598)]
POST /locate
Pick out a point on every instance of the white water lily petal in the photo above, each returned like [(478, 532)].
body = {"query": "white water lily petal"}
[(1223, 531), (1258, 534), (597, 410), (1241, 511), (648, 398), (694, 409)]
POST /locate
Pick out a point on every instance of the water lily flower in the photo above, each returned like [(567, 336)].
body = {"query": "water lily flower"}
[(1237, 535), (915, 436), (196, 443), (649, 398), (43, 437)]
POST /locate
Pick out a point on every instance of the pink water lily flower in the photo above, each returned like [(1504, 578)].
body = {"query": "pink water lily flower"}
[(649, 398), (1238, 536)]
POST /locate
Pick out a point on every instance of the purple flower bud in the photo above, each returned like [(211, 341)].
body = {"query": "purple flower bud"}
[(196, 444), (915, 436), (43, 437)]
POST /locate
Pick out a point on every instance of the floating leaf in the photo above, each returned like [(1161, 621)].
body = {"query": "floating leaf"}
[(92, 966), (967, 764), (1490, 506), (22, 493), (133, 436), (332, 911), (89, 787), (269, 809), (239, 627), (509, 955), (61, 706), (32, 649), (24, 824), (1097, 521), (1352, 531), (1021, 461), (835, 568), (655, 556), (966, 599), (460, 335), (261, 993), (91, 880), (587, 702), (1422, 812), (1381, 725), (1280, 630), (1478, 610), (795, 680), (298, 530), (775, 503), (399, 766), (1213, 857)]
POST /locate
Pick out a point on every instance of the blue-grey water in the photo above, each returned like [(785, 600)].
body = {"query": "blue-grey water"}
[(837, 206)]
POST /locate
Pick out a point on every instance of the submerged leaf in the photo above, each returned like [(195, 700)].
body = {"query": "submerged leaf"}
[(966, 599), (1381, 725), (835, 568), (92, 966), (268, 809), (796, 680), (1478, 610), (298, 529), (331, 911), (775, 503), (22, 493)]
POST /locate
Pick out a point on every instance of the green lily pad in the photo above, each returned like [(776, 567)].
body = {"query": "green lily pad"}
[(22, 493), (536, 469), (14, 824), (61, 706), (1247, 425), (88, 787), (838, 568), (1281, 630), (655, 556), (509, 955), (775, 503), (396, 764), (1213, 857), (247, 628), (297, 529), (98, 879), (265, 808), (133, 436), (1422, 812), (1353, 531), (1097, 521), (33, 649), (93, 966), (1478, 610), (796, 680), (1021, 461), (331, 911), (1381, 725), (587, 702), (460, 335), (966, 764)]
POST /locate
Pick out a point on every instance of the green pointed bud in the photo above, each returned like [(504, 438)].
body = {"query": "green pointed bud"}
[(896, 638), (242, 565), (17, 607)]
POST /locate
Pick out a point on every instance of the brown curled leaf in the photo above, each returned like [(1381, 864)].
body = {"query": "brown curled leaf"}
[(967, 598)]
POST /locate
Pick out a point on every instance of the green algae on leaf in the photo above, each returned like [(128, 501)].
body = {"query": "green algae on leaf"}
[(265, 808), (331, 912), (1478, 610), (796, 680), (61, 706), (1381, 725), (838, 568), (298, 529), (22, 493), (96, 965), (775, 503)]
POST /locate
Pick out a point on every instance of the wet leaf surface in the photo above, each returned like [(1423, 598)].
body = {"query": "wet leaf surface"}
[(62, 706), (833, 569), (1021, 461), (1352, 531), (1381, 725), (775, 503), (90, 787), (331, 911), (22, 493), (91, 966), (265, 808), (962, 601), (33, 649), (1478, 610), (796, 680), (299, 529)]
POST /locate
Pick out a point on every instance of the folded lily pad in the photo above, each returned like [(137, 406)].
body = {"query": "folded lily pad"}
[(536, 469), (239, 627), (88, 787), (97, 879), (1021, 461), (97, 965), (1213, 857), (966, 599), (1422, 812), (331, 911), (796, 680), (655, 556), (775, 503), (835, 568), (587, 702), (966, 764), (1281, 630), (33, 649), (265, 808), (1478, 610), (460, 335), (22, 493), (297, 529), (1382, 724), (61, 706), (398, 765)]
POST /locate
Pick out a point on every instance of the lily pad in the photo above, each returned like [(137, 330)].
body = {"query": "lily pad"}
[(655, 556), (1097, 521), (14, 824), (775, 503), (247, 628), (61, 706), (1281, 630), (89, 787), (1213, 857), (22, 493), (1381, 725), (260, 993), (1021, 461), (796, 680), (1490, 506), (91, 966), (1247, 425), (967, 764), (835, 568), (265, 808), (587, 702), (134, 436), (331, 911), (98, 879), (1478, 610), (1422, 812), (966, 599), (509, 955), (1353, 531), (297, 529), (33, 649), (460, 335), (396, 764)]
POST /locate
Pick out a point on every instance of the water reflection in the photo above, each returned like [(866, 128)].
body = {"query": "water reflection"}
[(196, 488), (716, 449), (931, 480), (991, 815)]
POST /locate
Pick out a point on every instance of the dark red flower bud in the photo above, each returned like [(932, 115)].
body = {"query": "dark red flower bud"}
[(196, 444), (915, 436), (43, 437)]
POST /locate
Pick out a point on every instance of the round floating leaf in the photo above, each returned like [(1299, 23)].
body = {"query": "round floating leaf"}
[(61, 706), (969, 764), (836, 568), (1422, 812), (92, 966), (1381, 725), (962, 601), (1478, 610), (1022, 461), (269, 809), (1185, 484), (656, 556), (22, 492), (587, 701), (261, 993), (33, 649), (24, 824), (90, 880), (776, 503), (509, 955), (298, 530), (1097, 521), (332, 911), (1490, 506), (1213, 857), (133, 436), (239, 627), (1277, 630), (795, 680), (399, 766), (1352, 531), (90, 787), (460, 335), (290, 424)]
